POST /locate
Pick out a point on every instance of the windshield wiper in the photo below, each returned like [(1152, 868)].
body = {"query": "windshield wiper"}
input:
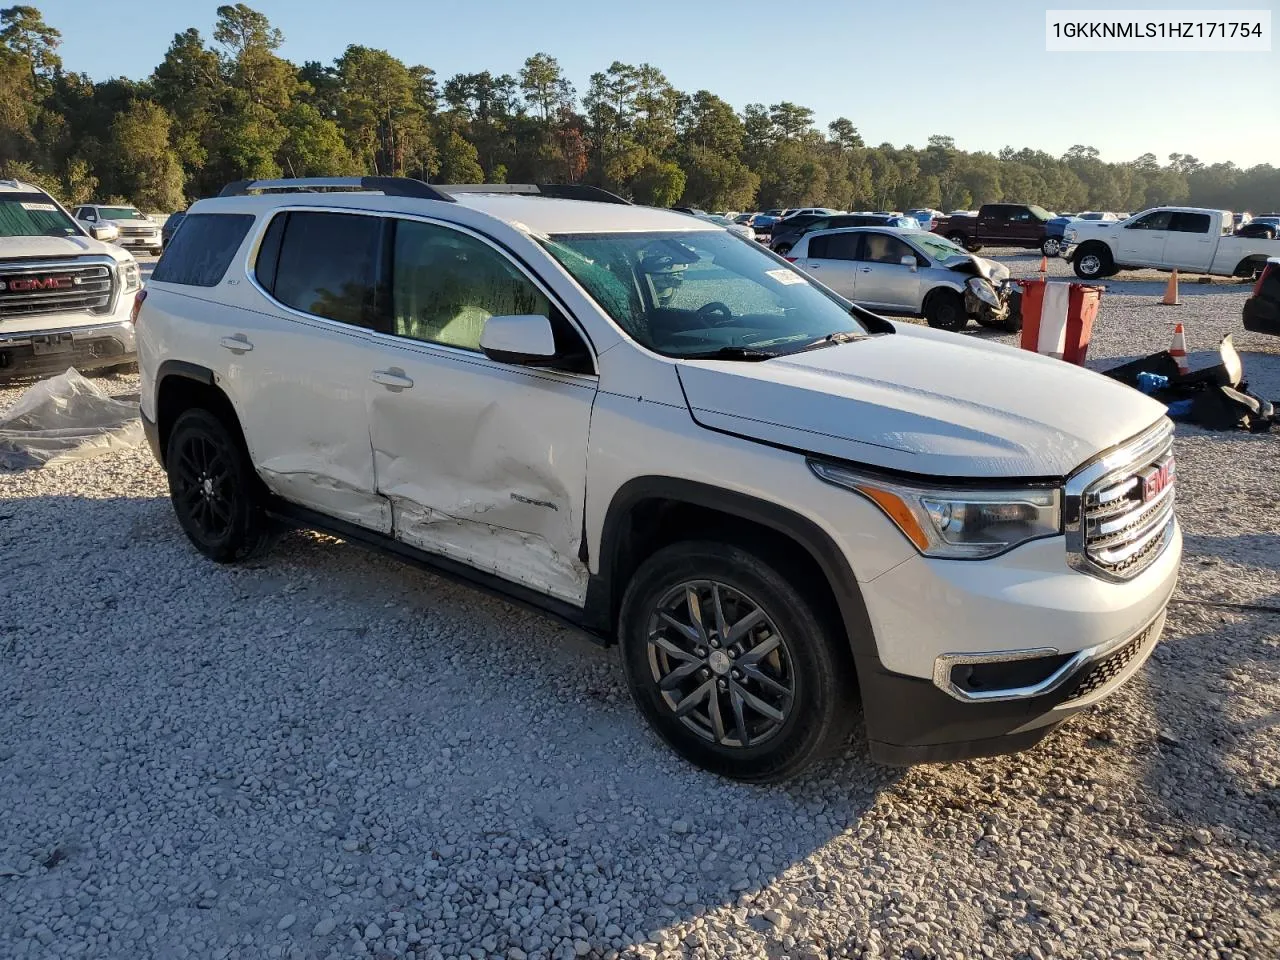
[(730, 353), (830, 340)]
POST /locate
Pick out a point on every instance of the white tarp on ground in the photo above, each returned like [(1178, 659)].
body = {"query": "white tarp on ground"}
[(66, 418)]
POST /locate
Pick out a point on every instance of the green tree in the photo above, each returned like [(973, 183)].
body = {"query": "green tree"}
[(148, 168)]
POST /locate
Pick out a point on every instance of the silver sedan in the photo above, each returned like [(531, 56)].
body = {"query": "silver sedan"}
[(897, 270)]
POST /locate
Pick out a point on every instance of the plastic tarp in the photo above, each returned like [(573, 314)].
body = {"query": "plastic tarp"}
[(64, 419)]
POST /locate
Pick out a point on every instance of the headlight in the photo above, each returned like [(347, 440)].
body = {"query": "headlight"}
[(956, 524), (130, 276), (981, 288), (1069, 235)]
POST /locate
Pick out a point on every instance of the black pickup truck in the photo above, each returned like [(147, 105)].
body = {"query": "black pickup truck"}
[(997, 224)]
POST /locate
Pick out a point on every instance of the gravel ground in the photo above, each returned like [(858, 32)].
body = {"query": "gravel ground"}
[(331, 754)]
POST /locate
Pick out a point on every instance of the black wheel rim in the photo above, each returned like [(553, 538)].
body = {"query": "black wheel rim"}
[(205, 493), (720, 664)]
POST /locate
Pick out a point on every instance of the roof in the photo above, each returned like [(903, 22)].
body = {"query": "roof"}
[(527, 212), (547, 215), (18, 186)]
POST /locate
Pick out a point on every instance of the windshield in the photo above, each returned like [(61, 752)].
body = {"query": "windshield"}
[(689, 293), (938, 248), (33, 215), (120, 213)]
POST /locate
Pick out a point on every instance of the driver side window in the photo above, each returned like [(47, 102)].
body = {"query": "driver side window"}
[(1153, 221), (446, 284)]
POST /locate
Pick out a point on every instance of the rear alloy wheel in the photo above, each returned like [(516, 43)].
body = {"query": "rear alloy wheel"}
[(944, 310), (730, 664), (214, 489)]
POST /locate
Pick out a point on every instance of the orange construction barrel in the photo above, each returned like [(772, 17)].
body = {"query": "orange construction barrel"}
[(1057, 318)]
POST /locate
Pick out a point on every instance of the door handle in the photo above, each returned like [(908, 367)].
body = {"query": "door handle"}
[(393, 379), (812, 266), (237, 344), (866, 269)]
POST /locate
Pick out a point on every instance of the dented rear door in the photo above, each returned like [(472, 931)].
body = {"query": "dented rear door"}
[(482, 462)]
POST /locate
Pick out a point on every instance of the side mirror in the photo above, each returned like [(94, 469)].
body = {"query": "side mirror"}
[(909, 261), (526, 340)]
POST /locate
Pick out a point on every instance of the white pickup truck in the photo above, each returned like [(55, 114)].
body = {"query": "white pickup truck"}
[(1190, 239)]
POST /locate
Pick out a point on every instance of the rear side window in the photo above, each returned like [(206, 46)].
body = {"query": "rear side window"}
[(834, 246), (1190, 222), (199, 253), (328, 264)]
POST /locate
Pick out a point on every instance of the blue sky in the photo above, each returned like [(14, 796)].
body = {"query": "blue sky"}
[(899, 69)]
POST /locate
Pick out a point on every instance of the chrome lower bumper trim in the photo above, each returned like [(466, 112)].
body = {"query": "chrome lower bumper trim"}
[(943, 665)]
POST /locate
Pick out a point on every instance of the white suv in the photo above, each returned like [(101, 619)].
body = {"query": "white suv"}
[(65, 298), (134, 228), (773, 500)]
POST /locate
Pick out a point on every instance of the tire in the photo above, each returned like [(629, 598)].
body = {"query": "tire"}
[(1093, 262), (944, 310), (156, 251), (959, 239), (805, 678), (222, 513), (1013, 319), (1050, 246), (782, 249), (973, 246)]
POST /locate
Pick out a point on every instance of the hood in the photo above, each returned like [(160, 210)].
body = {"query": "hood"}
[(56, 248), (925, 402)]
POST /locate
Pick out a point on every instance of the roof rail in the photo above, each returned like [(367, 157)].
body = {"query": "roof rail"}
[(558, 191), (389, 186)]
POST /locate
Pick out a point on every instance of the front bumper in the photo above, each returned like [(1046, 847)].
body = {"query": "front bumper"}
[(976, 658), (1067, 248), (912, 721), (152, 242), (38, 353), (1262, 315)]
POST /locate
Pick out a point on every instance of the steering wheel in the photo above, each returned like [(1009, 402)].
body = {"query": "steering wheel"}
[(714, 309)]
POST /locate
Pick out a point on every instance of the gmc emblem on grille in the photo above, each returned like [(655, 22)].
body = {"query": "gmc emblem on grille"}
[(37, 283), (1156, 480)]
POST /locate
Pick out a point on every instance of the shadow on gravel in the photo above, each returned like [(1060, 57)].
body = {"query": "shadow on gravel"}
[(1204, 766), (394, 744), (1253, 549)]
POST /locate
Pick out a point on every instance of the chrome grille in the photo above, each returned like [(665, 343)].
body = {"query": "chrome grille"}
[(58, 287), (1119, 508), (137, 231)]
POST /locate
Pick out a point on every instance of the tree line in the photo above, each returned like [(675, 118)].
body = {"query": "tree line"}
[(213, 112)]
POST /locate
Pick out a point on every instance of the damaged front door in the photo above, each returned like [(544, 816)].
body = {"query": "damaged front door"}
[(483, 462)]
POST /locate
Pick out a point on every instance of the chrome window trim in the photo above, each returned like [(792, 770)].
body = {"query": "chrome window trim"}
[(1113, 463), (446, 350)]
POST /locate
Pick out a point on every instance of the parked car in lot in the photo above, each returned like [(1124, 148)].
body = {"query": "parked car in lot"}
[(1261, 228), (924, 216), (170, 226), (65, 298), (778, 503), (998, 224), (1262, 309), (785, 234), (911, 271), (1191, 239), (732, 226), (136, 228)]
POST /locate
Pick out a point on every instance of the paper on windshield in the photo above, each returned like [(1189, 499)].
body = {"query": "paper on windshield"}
[(786, 277), (38, 206)]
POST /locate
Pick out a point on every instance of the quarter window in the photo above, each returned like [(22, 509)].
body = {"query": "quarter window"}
[(327, 266), (199, 253), (446, 284)]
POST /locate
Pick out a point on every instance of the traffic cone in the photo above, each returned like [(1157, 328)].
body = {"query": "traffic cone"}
[(1179, 349), (1171, 292), (1044, 266)]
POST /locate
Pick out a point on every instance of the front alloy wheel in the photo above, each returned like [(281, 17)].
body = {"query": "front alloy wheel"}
[(740, 670), (722, 665)]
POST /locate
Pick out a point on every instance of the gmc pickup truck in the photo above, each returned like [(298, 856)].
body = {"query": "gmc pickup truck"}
[(1191, 239), (998, 224)]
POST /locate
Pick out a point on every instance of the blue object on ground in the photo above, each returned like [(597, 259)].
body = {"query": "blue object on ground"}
[(1151, 382), (1180, 408)]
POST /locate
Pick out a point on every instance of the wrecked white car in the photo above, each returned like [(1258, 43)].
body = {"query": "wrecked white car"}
[(775, 502), (915, 272)]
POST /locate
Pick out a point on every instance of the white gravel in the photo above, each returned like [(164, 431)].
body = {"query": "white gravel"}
[(330, 754)]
